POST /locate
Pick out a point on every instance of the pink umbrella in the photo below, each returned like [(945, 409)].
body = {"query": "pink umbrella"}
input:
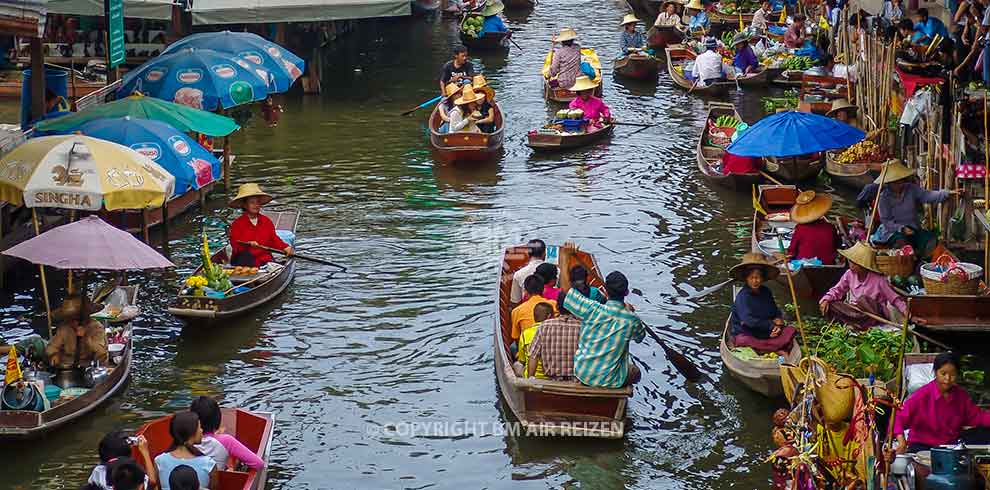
[(89, 243)]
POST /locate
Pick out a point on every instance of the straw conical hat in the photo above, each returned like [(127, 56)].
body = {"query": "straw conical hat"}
[(695, 4), (862, 255), (629, 19), (582, 82), (451, 89), (741, 37), (493, 8), (478, 81), (468, 95), (738, 271), (247, 190), (810, 206), (566, 34), (895, 171), (838, 105)]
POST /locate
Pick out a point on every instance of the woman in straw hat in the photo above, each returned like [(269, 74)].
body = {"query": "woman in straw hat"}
[(253, 228), (843, 111), (862, 288), (487, 105), (745, 60), (630, 39), (493, 21), (451, 92), (756, 321), (699, 18), (898, 209), (668, 16), (465, 116), (566, 63), (814, 236), (595, 111)]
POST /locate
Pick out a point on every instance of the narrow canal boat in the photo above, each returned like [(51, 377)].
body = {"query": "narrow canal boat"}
[(794, 169), (760, 374), (563, 95), (253, 429), (677, 57), (547, 407), (659, 38), (466, 147), (565, 141), (852, 175), (637, 66), (488, 41), (710, 154), (519, 4), (264, 285)]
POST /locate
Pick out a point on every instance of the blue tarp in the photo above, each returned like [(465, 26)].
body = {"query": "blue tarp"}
[(791, 133)]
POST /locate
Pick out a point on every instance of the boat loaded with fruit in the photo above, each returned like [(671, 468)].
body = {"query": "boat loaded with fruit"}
[(860, 164), (569, 129)]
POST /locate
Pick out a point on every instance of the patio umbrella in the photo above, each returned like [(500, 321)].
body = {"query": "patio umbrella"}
[(138, 106), (198, 78), (79, 172), (192, 166), (792, 133), (269, 60)]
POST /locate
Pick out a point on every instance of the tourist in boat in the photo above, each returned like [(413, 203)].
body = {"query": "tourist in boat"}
[(813, 237), (735, 164), (794, 37), (699, 20), (668, 17), (537, 251), (522, 316), (548, 272), (524, 364), (253, 228), (708, 65), (862, 288), (630, 40), (79, 340), (565, 65), (843, 111), (579, 282), (465, 115), (493, 21), (898, 210), (457, 69), (555, 343), (936, 413), (602, 357), (217, 444), (745, 60), (487, 106), (184, 477), (760, 16), (595, 111), (452, 91), (186, 433), (112, 448), (755, 320), (123, 474), (928, 27)]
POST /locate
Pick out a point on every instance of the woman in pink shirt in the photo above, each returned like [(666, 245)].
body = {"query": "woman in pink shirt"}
[(548, 272), (595, 111), (862, 287), (216, 444)]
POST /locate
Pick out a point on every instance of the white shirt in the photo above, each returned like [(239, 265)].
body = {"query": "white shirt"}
[(516, 294), (212, 448), (707, 65), (461, 124), (665, 19), (760, 19)]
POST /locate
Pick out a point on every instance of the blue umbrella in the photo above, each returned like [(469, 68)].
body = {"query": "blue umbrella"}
[(791, 133), (272, 62), (198, 78), (190, 163)]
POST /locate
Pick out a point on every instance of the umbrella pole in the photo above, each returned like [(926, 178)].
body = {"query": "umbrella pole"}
[(226, 163), (44, 283)]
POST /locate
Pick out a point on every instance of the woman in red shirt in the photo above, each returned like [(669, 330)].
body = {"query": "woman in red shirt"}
[(813, 236), (254, 228)]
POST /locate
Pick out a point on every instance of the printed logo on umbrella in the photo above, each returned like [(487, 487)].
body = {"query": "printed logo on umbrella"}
[(224, 71), (291, 67), (274, 51), (190, 75), (244, 64), (253, 57), (263, 74), (155, 74), (204, 171), (179, 145), (150, 150)]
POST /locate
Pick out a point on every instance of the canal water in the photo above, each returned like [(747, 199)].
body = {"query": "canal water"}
[(382, 377)]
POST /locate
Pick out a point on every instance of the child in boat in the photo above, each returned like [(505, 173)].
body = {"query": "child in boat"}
[(186, 433), (579, 282), (541, 312), (126, 474), (217, 444), (756, 321), (814, 236), (183, 478), (548, 272), (862, 288), (524, 315), (253, 228), (114, 447)]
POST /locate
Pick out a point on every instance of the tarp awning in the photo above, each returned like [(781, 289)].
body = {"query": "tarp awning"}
[(144, 9), (264, 11)]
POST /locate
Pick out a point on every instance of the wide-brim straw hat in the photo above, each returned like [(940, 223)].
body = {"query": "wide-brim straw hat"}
[(248, 190), (71, 309), (753, 259), (452, 89), (895, 171), (582, 83), (468, 95), (566, 34), (478, 81), (862, 255), (838, 105), (695, 4), (628, 19), (810, 206), (741, 37), (492, 8)]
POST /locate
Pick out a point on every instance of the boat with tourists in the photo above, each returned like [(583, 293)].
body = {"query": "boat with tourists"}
[(711, 147), (637, 66), (464, 146), (679, 55), (563, 95)]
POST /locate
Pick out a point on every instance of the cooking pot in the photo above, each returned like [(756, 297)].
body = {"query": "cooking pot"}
[(69, 378)]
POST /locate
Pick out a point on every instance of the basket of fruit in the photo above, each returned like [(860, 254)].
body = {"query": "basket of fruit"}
[(472, 25), (857, 159), (721, 130)]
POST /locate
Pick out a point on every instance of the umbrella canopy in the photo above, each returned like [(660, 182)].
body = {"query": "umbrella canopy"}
[(89, 243), (791, 133), (191, 165), (138, 106), (79, 172), (270, 61), (198, 78)]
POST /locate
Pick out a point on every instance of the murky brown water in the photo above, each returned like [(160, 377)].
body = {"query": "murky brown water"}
[(404, 337)]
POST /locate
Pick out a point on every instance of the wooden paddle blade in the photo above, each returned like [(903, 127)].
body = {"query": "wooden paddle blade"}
[(713, 289), (680, 361)]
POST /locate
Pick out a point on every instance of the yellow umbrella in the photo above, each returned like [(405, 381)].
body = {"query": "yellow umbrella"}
[(80, 172)]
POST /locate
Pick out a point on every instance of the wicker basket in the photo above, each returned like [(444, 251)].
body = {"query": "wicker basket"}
[(959, 278), (896, 265)]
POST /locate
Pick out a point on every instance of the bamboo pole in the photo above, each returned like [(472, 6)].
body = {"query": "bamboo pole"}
[(900, 392), (797, 307), (986, 187), (44, 282)]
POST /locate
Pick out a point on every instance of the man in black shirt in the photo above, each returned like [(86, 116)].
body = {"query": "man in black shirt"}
[(457, 69)]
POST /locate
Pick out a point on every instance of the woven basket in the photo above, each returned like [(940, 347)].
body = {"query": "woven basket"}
[(896, 265), (960, 278), (833, 167)]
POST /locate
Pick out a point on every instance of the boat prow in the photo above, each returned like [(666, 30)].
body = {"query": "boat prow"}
[(761, 375)]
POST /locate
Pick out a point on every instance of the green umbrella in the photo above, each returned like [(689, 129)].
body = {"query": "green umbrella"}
[(137, 106)]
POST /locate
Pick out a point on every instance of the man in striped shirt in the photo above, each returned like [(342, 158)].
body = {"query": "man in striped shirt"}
[(602, 358)]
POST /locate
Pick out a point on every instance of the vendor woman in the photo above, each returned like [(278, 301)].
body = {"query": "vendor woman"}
[(898, 209), (253, 228), (756, 321), (843, 111), (595, 111), (814, 236), (861, 289), (937, 413)]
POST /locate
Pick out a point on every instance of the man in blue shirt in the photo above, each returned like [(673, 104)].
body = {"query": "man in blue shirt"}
[(928, 27), (493, 23)]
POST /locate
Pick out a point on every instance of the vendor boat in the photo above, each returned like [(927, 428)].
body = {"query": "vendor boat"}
[(794, 169), (852, 175), (253, 429), (519, 4), (466, 147), (677, 56), (759, 373), (772, 232), (486, 42), (547, 407), (34, 421), (264, 286), (563, 95), (637, 66), (659, 38), (565, 141), (710, 154)]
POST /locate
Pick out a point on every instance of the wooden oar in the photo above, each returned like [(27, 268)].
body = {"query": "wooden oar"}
[(680, 361), (424, 104), (771, 179), (514, 43), (637, 125), (713, 289), (298, 256)]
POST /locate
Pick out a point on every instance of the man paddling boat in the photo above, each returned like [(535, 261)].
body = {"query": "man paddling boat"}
[(457, 69)]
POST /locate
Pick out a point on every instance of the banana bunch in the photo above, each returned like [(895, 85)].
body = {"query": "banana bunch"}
[(726, 121), (864, 151), (798, 63), (196, 281)]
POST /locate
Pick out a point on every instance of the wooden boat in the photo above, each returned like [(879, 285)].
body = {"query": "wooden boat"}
[(11, 89), (24, 424), (676, 56), (546, 407), (564, 95), (809, 281), (263, 289), (794, 169), (253, 429), (717, 16), (637, 66), (852, 175), (710, 156), (660, 37), (566, 141), (962, 321), (466, 147), (760, 375), (519, 4), (759, 78), (488, 41)]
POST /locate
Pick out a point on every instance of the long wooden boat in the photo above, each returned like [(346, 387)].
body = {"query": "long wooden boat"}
[(759, 78), (760, 375), (710, 156), (253, 429), (660, 37), (809, 281), (852, 175), (24, 424), (566, 141), (637, 66), (794, 169), (676, 56), (488, 41), (561, 94), (466, 147), (519, 4), (547, 407), (263, 290)]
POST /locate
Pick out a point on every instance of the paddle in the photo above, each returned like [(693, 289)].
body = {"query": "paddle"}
[(423, 105), (680, 361), (692, 87), (718, 287), (771, 179), (515, 44), (298, 256), (637, 125)]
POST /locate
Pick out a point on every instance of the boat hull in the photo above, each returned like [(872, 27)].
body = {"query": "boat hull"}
[(490, 41), (547, 142), (708, 156), (854, 176), (759, 375), (466, 147), (794, 169), (637, 67), (661, 37)]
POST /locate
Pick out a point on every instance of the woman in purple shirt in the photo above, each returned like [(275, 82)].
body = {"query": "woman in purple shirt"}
[(745, 60), (898, 209)]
